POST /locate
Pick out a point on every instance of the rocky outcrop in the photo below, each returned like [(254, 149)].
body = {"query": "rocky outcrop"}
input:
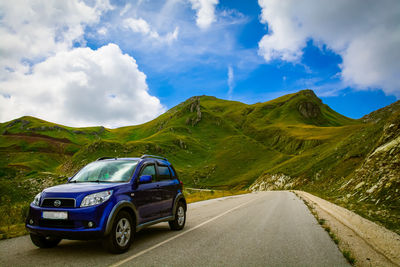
[(272, 182), (309, 110), (377, 180), (379, 174), (381, 114), (23, 123), (182, 144), (194, 107)]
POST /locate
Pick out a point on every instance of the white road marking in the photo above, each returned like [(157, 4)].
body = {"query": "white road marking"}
[(119, 263)]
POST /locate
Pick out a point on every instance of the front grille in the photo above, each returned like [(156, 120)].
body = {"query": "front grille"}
[(64, 202), (56, 223)]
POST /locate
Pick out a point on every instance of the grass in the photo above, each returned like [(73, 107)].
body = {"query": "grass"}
[(347, 254), (12, 218), (11, 231), (239, 139), (331, 234), (195, 196)]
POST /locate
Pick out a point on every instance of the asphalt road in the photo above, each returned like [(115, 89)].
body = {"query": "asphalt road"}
[(259, 229)]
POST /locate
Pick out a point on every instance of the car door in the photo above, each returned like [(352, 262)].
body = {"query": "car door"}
[(168, 186), (148, 196)]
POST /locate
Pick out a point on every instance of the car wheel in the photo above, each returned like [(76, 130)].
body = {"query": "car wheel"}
[(121, 236), (45, 241), (180, 218)]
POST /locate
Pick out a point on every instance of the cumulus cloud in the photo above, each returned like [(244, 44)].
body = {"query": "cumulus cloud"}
[(366, 34), (141, 26), (43, 74), (32, 30), (205, 12), (230, 81), (81, 87)]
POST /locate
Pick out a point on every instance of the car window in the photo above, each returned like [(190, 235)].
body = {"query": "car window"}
[(163, 173), (106, 171), (149, 170)]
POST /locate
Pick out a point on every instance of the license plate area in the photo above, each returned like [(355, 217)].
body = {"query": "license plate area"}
[(55, 215)]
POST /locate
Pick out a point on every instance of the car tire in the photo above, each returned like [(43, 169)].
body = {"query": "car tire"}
[(121, 236), (180, 218), (44, 241)]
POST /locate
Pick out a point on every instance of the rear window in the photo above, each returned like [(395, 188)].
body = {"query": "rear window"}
[(164, 173)]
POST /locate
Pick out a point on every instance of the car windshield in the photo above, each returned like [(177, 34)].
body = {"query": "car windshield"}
[(106, 171)]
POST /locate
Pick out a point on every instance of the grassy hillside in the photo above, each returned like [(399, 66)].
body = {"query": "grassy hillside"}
[(213, 143)]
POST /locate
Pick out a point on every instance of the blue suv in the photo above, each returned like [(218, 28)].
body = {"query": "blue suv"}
[(111, 199)]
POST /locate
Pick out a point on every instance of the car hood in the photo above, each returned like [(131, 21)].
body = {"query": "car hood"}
[(81, 187)]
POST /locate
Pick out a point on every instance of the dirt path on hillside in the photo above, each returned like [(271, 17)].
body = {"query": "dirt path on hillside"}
[(369, 243)]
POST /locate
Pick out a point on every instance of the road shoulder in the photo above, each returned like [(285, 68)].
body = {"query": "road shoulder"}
[(369, 243)]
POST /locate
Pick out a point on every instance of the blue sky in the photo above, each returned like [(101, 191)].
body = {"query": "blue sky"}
[(125, 62)]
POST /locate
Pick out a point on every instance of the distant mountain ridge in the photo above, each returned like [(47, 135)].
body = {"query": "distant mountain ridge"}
[(294, 141)]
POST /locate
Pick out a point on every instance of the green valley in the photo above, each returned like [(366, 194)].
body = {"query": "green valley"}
[(292, 142)]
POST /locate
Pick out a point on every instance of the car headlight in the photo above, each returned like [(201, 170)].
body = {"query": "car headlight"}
[(36, 200), (96, 199)]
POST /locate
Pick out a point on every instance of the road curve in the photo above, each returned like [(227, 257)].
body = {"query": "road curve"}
[(259, 229)]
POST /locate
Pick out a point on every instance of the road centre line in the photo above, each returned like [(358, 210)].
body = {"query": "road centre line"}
[(119, 263)]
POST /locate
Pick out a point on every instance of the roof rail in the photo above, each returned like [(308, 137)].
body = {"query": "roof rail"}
[(153, 156), (103, 158)]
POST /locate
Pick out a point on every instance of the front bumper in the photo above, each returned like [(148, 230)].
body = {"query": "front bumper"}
[(76, 227)]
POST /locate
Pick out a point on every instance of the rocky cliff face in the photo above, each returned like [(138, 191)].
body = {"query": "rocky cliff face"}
[(194, 107), (378, 178), (375, 185), (309, 110), (272, 182)]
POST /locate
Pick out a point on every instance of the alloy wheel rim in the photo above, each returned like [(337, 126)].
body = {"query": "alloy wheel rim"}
[(181, 216), (123, 232)]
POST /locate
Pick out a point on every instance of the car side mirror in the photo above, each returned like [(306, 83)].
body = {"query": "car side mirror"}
[(145, 179)]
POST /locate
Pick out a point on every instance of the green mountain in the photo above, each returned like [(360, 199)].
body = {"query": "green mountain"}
[(294, 141)]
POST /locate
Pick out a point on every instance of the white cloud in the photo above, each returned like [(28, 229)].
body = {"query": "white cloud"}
[(81, 87), (138, 25), (102, 31), (125, 9), (32, 30), (141, 26), (172, 36), (205, 12), (230, 81), (43, 75), (366, 34)]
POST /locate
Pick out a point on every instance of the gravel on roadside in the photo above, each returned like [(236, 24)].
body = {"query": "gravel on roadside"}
[(370, 244)]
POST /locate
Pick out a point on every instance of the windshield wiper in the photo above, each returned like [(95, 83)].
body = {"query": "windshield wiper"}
[(92, 181), (99, 181)]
